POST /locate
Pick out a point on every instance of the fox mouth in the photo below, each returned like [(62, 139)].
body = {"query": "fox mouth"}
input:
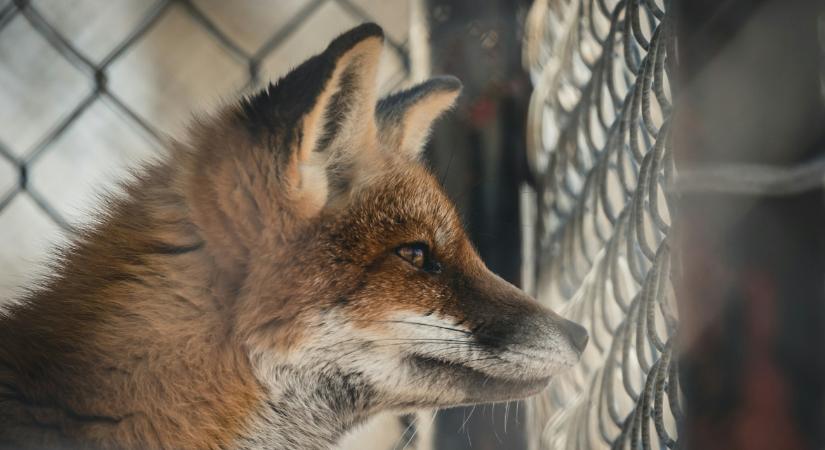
[(478, 385)]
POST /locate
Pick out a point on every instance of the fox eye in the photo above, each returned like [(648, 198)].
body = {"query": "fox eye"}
[(418, 254)]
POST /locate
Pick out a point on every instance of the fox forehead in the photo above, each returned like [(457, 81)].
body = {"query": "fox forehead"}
[(403, 204)]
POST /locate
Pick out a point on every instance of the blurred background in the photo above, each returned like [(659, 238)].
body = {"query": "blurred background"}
[(576, 176)]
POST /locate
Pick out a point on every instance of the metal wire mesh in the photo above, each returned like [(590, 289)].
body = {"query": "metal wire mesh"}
[(98, 73), (600, 156), (86, 74)]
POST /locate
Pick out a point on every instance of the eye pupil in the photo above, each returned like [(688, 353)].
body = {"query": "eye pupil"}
[(418, 255)]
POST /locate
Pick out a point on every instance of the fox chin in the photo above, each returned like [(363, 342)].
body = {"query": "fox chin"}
[(290, 269)]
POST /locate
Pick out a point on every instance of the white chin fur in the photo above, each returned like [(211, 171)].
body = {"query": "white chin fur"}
[(380, 351)]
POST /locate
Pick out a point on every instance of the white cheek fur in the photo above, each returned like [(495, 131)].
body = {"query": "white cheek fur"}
[(377, 353)]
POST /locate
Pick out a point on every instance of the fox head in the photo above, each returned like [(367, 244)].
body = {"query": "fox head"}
[(351, 262)]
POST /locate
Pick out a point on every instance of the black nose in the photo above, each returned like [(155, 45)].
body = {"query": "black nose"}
[(577, 334)]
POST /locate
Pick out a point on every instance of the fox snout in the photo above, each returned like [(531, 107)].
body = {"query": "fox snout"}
[(536, 330), (489, 340), (535, 345), (533, 341), (577, 334)]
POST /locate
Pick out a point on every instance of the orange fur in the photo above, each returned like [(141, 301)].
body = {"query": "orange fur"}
[(242, 291)]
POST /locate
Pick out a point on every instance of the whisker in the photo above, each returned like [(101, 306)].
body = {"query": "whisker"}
[(465, 332), (447, 344), (505, 416), (402, 341), (421, 324), (472, 360), (403, 433)]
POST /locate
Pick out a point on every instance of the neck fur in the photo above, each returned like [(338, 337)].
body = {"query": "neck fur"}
[(307, 409)]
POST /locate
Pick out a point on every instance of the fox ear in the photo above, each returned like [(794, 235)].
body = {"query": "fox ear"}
[(325, 111), (405, 118), (347, 98)]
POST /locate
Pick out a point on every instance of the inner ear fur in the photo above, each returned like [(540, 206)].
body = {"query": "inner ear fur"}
[(405, 118), (340, 125), (321, 116), (255, 168), (344, 109)]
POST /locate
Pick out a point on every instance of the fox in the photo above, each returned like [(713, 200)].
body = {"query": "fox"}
[(290, 269)]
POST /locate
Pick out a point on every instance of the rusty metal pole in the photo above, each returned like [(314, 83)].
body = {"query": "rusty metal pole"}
[(752, 283)]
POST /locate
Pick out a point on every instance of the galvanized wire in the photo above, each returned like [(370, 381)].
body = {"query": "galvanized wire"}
[(98, 73), (598, 142)]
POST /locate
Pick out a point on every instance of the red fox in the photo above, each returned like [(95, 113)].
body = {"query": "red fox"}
[(287, 272)]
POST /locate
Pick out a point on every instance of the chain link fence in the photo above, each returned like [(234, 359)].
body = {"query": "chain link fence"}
[(99, 70), (94, 88), (598, 143)]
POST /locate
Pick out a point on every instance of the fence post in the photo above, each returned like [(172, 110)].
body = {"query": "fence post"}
[(751, 239)]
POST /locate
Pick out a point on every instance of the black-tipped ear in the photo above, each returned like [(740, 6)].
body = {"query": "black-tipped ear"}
[(346, 70), (323, 111), (405, 118), (343, 113)]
